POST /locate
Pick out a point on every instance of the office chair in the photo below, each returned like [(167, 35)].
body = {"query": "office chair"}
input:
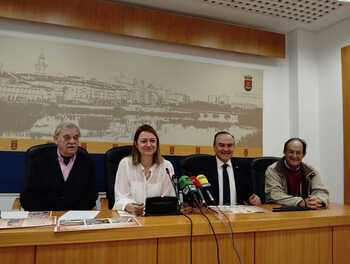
[(111, 161), (39, 150), (258, 167), (33, 152), (190, 163), (30, 155)]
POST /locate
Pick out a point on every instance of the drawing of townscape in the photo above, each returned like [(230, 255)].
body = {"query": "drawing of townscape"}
[(33, 102)]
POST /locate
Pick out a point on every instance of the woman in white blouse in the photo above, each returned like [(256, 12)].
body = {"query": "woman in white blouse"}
[(143, 174)]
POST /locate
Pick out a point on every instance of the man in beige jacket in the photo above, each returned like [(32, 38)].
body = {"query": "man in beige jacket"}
[(291, 182)]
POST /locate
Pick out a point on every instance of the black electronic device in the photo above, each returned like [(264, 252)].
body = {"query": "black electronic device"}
[(289, 209), (166, 205)]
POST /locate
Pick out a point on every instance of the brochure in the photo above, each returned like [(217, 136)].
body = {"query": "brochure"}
[(77, 214), (96, 223), (238, 209), (32, 219)]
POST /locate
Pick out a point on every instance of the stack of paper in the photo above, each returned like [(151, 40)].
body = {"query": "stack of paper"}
[(237, 209), (85, 220), (20, 219)]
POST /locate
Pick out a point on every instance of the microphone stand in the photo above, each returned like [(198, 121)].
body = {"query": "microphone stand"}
[(174, 183)]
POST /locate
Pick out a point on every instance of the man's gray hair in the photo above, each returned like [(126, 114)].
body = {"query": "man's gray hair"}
[(64, 125)]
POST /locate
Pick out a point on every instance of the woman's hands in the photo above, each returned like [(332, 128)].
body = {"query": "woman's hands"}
[(135, 208)]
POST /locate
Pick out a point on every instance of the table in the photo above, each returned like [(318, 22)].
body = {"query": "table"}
[(321, 236)]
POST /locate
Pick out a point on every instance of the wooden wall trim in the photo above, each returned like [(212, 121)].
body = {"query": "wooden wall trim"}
[(141, 22), (13, 144), (345, 56)]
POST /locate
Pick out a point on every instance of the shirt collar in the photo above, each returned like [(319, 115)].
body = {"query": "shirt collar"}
[(60, 158), (220, 163), (289, 167), (152, 168)]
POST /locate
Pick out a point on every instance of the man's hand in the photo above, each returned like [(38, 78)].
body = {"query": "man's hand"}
[(302, 204), (254, 200), (313, 202)]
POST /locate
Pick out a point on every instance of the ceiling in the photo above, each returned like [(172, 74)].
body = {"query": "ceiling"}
[(273, 15)]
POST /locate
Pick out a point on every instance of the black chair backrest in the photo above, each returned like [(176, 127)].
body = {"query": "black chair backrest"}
[(259, 166), (112, 158), (38, 151), (32, 153), (196, 161), (191, 162)]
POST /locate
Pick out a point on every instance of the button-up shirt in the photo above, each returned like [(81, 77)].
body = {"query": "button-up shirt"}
[(231, 180), (65, 168), (131, 184)]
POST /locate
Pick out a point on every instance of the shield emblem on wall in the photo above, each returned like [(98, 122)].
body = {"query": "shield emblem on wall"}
[(248, 82)]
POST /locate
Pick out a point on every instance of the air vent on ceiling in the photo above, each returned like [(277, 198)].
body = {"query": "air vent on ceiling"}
[(304, 11)]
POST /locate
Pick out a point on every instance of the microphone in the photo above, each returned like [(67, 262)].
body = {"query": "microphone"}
[(197, 184), (189, 190), (205, 185), (174, 184), (172, 179)]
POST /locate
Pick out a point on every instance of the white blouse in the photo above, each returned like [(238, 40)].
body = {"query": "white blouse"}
[(132, 186)]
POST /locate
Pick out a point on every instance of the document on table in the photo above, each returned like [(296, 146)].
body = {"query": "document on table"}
[(238, 209), (96, 223), (76, 215), (85, 220), (14, 214), (21, 219)]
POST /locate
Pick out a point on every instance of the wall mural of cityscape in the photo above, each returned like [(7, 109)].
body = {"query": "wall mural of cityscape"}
[(110, 91)]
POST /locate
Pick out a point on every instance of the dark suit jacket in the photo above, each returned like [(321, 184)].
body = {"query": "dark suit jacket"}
[(45, 188), (207, 165)]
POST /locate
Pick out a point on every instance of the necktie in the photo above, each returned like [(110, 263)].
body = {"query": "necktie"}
[(226, 185), (66, 160)]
